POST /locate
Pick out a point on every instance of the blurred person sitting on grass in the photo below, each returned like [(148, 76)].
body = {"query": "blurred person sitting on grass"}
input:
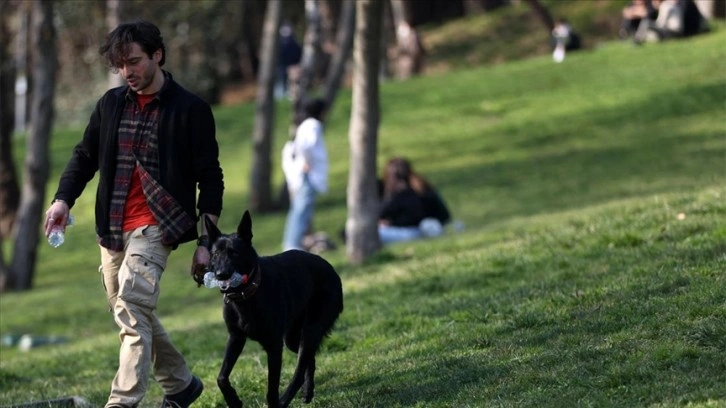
[(636, 13), (411, 208), (676, 19), (564, 38)]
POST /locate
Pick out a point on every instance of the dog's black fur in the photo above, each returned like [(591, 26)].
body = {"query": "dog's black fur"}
[(297, 300)]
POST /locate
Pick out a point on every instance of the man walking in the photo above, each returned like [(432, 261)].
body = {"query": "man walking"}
[(153, 144)]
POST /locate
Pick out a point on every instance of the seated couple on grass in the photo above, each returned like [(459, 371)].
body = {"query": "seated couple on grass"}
[(659, 20), (411, 208)]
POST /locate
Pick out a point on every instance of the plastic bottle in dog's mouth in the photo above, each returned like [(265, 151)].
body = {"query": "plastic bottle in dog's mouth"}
[(211, 281)]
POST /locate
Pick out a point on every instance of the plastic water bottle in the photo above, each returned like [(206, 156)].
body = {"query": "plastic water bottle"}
[(211, 281), (57, 237)]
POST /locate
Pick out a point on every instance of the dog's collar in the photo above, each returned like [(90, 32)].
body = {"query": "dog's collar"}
[(248, 290)]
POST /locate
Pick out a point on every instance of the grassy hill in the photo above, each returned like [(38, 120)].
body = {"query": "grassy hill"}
[(590, 271), (514, 33)]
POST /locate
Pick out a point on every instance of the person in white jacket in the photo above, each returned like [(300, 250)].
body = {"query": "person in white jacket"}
[(305, 164)]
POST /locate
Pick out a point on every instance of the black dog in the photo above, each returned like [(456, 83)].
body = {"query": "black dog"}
[(294, 297)]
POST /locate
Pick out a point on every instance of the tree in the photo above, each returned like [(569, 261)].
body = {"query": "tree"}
[(114, 11), (310, 57), (36, 169), (334, 75), (252, 19), (543, 13), (409, 47), (362, 223), (478, 6), (343, 46), (261, 190), (9, 189)]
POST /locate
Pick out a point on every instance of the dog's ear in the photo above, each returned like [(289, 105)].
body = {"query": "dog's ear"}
[(212, 230), (244, 229)]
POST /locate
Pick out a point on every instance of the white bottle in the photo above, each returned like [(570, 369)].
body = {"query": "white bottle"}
[(57, 237), (211, 281)]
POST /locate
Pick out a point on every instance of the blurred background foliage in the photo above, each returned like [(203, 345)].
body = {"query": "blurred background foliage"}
[(213, 45)]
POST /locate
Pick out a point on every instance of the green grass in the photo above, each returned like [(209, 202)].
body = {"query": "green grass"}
[(590, 272), (514, 33)]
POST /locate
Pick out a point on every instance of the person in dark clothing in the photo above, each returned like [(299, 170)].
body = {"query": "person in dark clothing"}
[(290, 53), (693, 21), (411, 207), (564, 39), (153, 144), (434, 205), (401, 208)]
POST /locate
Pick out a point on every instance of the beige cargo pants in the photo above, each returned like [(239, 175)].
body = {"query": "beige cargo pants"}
[(131, 279)]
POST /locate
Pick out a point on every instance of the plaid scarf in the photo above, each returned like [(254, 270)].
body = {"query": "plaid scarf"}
[(139, 146)]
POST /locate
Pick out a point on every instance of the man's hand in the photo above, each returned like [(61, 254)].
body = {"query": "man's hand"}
[(57, 214), (200, 260)]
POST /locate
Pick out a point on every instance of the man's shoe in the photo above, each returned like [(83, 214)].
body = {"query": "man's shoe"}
[(185, 398)]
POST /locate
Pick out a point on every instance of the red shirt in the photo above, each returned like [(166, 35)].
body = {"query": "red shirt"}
[(136, 211)]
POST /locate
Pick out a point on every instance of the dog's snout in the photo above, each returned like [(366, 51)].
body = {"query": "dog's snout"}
[(222, 275)]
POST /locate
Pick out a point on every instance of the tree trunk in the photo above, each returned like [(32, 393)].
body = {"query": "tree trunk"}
[(22, 80), (388, 31), (261, 190), (252, 14), (479, 6), (36, 159), (362, 223), (401, 10), (114, 11), (473, 6), (330, 11), (310, 58), (9, 189), (343, 47), (543, 13), (329, 18), (409, 48)]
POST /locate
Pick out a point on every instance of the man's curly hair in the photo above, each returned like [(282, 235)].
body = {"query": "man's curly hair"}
[(118, 42)]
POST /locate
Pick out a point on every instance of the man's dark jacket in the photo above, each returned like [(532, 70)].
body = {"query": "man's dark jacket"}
[(188, 154)]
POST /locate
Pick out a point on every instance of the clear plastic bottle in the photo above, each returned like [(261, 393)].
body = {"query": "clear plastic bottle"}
[(57, 237), (211, 281)]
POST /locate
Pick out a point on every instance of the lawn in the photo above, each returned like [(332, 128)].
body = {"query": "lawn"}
[(590, 271)]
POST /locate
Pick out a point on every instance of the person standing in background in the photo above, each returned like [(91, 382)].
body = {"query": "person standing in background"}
[(305, 164), (153, 144), (289, 55)]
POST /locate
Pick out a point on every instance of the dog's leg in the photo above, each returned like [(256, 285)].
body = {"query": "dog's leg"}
[(274, 366), (305, 367), (308, 387), (235, 345)]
